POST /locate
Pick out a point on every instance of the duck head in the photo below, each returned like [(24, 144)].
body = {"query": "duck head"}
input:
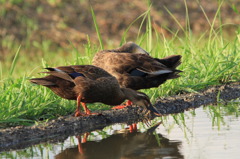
[(139, 99)]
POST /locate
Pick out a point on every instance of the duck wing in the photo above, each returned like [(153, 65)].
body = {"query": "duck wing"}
[(91, 72), (67, 81), (69, 73), (135, 64), (137, 70)]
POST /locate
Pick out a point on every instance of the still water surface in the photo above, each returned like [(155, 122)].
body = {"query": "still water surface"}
[(211, 132)]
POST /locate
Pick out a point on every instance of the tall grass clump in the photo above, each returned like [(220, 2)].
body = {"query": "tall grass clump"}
[(207, 59), (25, 103)]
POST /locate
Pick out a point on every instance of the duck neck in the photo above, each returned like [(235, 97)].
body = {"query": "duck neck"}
[(117, 97), (128, 93)]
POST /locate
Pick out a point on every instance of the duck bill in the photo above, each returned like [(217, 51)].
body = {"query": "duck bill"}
[(152, 109)]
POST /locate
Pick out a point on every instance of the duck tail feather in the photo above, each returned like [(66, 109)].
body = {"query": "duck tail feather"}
[(172, 61), (42, 81)]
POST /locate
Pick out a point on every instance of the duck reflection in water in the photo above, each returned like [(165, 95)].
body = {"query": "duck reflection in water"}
[(123, 146)]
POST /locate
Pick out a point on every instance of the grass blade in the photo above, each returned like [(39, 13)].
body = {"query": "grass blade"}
[(97, 29), (13, 65)]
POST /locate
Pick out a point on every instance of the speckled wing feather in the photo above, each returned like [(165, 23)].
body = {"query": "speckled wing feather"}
[(125, 63), (137, 70), (93, 83)]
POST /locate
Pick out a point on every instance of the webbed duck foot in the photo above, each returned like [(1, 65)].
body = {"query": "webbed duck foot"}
[(119, 107), (93, 114), (88, 112), (128, 103), (77, 114)]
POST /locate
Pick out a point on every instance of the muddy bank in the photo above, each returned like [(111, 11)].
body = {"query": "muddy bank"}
[(61, 128)]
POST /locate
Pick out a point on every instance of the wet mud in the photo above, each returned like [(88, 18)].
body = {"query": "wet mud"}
[(59, 129)]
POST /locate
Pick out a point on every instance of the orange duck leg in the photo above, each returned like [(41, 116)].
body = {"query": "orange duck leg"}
[(81, 141), (128, 103), (87, 111), (133, 128), (78, 111)]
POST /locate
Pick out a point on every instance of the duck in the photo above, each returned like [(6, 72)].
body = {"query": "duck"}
[(134, 68), (90, 84)]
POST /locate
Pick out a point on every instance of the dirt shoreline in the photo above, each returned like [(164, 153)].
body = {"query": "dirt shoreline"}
[(59, 129)]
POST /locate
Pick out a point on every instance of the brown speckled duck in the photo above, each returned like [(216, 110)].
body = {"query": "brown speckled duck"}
[(90, 84), (135, 69)]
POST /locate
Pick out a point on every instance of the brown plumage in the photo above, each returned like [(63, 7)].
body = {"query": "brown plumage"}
[(135, 69), (89, 84)]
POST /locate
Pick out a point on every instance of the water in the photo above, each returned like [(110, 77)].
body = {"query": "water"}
[(211, 132)]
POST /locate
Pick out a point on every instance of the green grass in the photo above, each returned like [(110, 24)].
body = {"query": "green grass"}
[(25, 103), (208, 59)]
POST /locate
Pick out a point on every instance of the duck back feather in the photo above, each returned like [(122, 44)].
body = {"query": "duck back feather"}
[(137, 70)]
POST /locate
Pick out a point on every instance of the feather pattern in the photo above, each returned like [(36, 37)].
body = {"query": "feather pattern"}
[(137, 70)]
